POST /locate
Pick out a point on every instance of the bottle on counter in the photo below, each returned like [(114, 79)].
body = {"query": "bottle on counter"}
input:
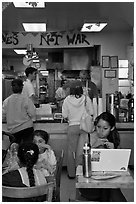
[(87, 161)]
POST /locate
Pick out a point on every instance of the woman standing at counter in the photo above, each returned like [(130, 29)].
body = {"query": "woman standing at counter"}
[(72, 109)]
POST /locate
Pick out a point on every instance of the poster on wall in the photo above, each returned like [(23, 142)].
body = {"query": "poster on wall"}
[(114, 61), (105, 61)]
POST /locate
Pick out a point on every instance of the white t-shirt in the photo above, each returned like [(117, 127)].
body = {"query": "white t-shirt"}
[(28, 88)]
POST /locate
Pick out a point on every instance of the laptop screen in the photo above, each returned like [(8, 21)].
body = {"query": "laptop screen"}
[(110, 159)]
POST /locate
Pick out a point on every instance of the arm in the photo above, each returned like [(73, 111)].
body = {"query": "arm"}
[(31, 110), (89, 106), (65, 109), (48, 160), (4, 111), (34, 98)]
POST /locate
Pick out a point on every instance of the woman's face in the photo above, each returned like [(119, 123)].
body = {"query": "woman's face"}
[(40, 143), (103, 128)]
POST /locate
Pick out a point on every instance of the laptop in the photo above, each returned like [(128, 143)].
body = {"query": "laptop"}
[(110, 159)]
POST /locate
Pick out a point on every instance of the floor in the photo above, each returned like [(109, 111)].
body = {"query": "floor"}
[(68, 188)]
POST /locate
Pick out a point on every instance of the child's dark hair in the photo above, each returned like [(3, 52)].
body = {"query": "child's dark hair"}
[(17, 85), (28, 155), (43, 134), (114, 135), (30, 70), (77, 91)]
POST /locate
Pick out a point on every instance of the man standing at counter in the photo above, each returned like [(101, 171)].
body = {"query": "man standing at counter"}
[(61, 93), (28, 88), (88, 86), (19, 113)]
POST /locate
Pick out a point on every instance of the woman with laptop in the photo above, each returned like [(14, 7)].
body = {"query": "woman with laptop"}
[(104, 136)]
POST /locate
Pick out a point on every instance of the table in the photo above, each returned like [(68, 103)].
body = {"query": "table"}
[(120, 180)]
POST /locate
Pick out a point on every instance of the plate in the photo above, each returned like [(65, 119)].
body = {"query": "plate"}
[(104, 177)]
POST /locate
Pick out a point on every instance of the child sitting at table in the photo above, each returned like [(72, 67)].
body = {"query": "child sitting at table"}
[(25, 175), (104, 136), (47, 160)]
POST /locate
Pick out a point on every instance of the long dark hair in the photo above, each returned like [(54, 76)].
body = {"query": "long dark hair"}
[(28, 156), (114, 135)]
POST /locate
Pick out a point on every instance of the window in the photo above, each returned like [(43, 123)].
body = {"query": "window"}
[(124, 84)]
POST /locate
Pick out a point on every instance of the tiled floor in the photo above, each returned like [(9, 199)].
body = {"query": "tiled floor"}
[(68, 188)]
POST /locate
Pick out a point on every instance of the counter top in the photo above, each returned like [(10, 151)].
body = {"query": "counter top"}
[(125, 125), (54, 127)]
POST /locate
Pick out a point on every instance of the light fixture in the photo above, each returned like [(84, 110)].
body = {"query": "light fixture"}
[(34, 27), (44, 72), (20, 52), (36, 60), (93, 27), (29, 4)]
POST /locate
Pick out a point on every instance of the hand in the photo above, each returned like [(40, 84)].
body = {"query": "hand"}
[(104, 140), (46, 146), (109, 145)]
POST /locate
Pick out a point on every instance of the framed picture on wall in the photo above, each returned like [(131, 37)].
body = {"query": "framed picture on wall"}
[(105, 61), (114, 61), (110, 73)]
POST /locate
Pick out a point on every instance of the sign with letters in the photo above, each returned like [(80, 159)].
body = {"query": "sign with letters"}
[(45, 40)]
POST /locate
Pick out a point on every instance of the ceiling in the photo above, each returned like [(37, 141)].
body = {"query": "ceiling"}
[(64, 16)]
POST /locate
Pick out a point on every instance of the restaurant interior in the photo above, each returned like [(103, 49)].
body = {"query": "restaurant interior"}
[(61, 50)]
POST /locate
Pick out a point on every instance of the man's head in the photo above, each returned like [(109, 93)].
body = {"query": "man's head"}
[(84, 75), (17, 85), (31, 73)]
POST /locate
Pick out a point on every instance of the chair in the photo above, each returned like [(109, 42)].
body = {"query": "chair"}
[(28, 193), (59, 156)]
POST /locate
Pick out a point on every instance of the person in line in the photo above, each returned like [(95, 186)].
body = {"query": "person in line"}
[(89, 87), (19, 113), (61, 93), (72, 110), (28, 88), (104, 136), (47, 160)]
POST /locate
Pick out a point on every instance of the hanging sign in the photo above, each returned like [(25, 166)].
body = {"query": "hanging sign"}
[(46, 40)]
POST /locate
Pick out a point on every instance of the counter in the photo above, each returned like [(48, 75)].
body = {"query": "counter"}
[(58, 135)]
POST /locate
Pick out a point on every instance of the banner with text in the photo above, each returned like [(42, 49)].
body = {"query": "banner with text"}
[(46, 40)]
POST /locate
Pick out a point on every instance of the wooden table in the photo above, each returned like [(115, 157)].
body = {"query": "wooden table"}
[(121, 180)]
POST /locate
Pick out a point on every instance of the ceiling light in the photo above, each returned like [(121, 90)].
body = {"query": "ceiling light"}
[(29, 4), (35, 27), (93, 27), (21, 52)]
